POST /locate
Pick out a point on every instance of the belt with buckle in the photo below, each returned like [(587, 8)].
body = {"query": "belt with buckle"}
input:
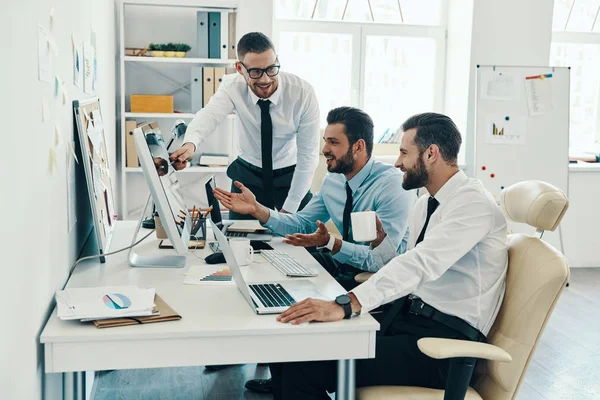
[(416, 306)]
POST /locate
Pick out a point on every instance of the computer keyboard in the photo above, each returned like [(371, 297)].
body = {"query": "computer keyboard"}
[(285, 263), (272, 295)]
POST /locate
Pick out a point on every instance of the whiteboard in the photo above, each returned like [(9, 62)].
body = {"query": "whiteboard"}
[(522, 130)]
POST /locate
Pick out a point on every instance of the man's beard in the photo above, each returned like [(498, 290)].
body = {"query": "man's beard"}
[(344, 164), (416, 177)]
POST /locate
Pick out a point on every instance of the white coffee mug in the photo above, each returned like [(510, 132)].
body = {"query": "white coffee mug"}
[(364, 226), (242, 251)]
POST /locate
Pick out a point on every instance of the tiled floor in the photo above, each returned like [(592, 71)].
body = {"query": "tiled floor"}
[(566, 364)]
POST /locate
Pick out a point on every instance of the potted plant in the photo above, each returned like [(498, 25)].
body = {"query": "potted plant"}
[(181, 49), (156, 49), (169, 49)]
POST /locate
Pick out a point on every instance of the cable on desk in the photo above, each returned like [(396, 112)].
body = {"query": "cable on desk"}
[(106, 254)]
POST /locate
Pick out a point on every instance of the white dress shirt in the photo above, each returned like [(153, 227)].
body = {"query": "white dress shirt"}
[(460, 266), (296, 122)]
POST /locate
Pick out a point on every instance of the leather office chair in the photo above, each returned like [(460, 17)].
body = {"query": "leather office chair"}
[(537, 274)]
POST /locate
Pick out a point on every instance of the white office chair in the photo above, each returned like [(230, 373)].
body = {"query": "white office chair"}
[(537, 274)]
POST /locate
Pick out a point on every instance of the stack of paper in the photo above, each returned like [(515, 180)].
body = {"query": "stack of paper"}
[(95, 303)]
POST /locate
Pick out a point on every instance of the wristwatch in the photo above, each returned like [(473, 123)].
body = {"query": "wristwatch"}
[(344, 301)]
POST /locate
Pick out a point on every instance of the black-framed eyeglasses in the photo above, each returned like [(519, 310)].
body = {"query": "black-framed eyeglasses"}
[(257, 73)]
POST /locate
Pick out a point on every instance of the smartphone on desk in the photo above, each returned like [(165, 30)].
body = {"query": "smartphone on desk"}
[(257, 245)]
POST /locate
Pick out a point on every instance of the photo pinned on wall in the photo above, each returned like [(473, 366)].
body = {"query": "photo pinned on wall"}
[(93, 43), (505, 129)]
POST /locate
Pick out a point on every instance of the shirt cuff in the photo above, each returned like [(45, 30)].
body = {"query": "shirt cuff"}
[(273, 219), (368, 296), (290, 205), (386, 250), (345, 253)]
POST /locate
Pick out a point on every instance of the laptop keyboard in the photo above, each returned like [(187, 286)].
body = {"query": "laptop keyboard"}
[(236, 234), (272, 295), (285, 263)]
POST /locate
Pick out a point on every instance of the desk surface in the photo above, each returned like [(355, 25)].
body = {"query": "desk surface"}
[(217, 325)]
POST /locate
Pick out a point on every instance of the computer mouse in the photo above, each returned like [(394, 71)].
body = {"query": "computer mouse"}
[(215, 258)]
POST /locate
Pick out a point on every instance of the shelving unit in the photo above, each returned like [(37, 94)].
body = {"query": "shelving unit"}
[(142, 22)]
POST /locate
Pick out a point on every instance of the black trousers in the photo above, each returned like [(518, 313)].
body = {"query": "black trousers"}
[(398, 361), (343, 273), (251, 176)]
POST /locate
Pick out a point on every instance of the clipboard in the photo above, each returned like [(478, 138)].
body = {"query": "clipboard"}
[(166, 314)]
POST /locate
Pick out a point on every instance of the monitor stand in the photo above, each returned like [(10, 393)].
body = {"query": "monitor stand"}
[(154, 261)]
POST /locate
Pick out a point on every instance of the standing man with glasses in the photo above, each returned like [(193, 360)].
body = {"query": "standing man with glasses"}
[(278, 124)]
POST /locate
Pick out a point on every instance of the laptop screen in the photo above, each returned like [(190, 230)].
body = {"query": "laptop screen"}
[(215, 214)]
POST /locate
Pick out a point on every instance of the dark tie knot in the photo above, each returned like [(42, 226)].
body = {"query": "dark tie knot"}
[(264, 105), (432, 204)]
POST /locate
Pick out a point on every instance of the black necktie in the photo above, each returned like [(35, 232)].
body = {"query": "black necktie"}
[(347, 212), (432, 204), (266, 138)]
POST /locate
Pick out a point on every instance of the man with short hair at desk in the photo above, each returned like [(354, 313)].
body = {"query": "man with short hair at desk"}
[(355, 182), (449, 284)]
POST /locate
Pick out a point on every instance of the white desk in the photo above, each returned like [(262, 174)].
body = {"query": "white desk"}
[(217, 325)]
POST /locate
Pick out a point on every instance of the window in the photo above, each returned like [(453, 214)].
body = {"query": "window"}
[(576, 44), (384, 56)]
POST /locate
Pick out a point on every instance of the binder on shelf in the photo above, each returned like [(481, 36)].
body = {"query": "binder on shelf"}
[(224, 44), (232, 50), (209, 84), (196, 86), (219, 73), (131, 151), (214, 35), (202, 34)]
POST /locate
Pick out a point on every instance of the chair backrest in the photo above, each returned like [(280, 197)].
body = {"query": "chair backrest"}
[(537, 274)]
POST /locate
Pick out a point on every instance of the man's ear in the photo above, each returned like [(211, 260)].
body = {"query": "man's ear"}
[(238, 67)]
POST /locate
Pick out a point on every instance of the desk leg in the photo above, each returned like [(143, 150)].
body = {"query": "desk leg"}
[(346, 386), (74, 386)]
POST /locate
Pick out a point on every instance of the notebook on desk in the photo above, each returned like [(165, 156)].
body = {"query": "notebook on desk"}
[(166, 313)]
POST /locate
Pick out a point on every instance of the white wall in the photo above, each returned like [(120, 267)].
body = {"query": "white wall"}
[(36, 249)]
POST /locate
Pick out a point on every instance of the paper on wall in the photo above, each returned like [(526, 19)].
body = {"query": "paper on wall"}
[(503, 129), (52, 162), (88, 65), (72, 151), (77, 61), (57, 135), (498, 86), (539, 94), (44, 60), (94, 59)]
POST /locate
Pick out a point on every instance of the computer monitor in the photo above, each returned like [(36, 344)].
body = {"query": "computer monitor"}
[(215, 213), (164, 190)]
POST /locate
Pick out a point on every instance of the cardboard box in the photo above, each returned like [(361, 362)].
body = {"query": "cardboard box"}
[(147, 103), (130, 150)]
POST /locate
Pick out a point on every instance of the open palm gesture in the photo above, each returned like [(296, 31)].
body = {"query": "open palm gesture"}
[(241, 203)]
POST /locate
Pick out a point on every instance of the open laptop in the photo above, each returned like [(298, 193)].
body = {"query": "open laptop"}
[(267, 297), (215, 216)]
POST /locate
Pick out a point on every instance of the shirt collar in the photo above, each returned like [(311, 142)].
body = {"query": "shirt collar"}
[(451, 184), (274, 97), (359, 178)]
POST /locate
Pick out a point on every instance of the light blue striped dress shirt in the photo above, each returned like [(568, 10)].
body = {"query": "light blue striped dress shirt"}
[(377, 187)]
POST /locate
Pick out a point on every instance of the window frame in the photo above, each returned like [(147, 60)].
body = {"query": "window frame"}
[(360, 31), (569, 37)]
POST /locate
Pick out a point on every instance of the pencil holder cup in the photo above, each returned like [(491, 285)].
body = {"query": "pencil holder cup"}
[(198, 231), (160, 230)]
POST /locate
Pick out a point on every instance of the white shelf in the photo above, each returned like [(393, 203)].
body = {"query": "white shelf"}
[(166, 115), (175, 60), (188, 170), (159, 115)]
